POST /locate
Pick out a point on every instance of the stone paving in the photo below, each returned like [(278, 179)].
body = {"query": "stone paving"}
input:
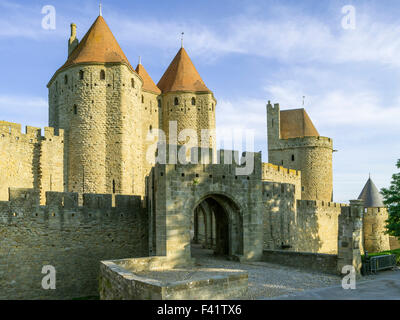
[(268, 280)]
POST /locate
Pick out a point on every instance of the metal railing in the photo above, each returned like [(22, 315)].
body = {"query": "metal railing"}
[(372, 265)]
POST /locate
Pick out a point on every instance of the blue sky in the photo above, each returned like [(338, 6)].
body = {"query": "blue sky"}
[(247, 52)]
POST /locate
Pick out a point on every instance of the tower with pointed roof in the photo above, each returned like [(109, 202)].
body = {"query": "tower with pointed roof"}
[(186, 100), (96, 97), (294, 143), (374, 220)]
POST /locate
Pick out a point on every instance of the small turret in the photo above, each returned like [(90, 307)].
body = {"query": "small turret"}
[(374, 220), (73, 40), (187, 100)]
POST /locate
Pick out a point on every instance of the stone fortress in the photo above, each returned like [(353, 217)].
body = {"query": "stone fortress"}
[(89, 190)]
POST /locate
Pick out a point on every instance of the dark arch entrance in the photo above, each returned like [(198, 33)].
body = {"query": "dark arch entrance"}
[(217, 226)]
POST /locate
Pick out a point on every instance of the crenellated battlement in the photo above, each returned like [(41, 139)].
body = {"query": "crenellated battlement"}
[(13, 131), (26, 199), (202, 162), (284, 171), (319, 204), (374, 212)]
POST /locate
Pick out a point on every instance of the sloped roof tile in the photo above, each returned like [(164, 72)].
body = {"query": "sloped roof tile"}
[(182, 75)]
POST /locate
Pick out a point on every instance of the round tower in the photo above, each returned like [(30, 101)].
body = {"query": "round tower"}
[(151, 117), (187, 103), (294, 143), (374, 220), (95, 97)]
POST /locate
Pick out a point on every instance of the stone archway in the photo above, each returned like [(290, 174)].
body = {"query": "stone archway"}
[(217, 224)]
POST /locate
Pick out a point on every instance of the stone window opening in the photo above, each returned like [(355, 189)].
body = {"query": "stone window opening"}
[(176, 101), (81, 75), (151, 129), (65, 79), (212, 107), (193, 101), (133, 83), (292, 157), (102, 75), (75, 109), (159, 103), (113, 187)]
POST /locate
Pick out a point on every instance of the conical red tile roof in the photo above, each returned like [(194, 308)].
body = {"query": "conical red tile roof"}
[(98, 45), (182, 75), (148, 83)]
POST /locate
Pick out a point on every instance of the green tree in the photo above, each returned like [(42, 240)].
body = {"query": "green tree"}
[(392, 201)]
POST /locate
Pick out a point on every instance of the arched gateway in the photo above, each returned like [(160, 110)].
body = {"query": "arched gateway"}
[(230, 206), (218, 224)]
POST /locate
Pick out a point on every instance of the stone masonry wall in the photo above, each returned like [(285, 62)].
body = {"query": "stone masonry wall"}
[(30, 160), (302, 225), (197, 117), (273, 173), (71, 238), (102, 119), (374, 227)]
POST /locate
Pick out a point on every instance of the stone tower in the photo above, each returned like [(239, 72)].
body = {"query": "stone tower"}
[(374, 221), (151, 117), (294, 142), (96, 97), (187, 100)]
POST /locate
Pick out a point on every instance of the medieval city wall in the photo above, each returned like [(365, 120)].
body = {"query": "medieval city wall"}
[(73, 239), (273, 173), (30, 160), (298, 225)]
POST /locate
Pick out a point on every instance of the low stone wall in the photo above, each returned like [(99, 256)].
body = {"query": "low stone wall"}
[(326, 263), (119, 281)]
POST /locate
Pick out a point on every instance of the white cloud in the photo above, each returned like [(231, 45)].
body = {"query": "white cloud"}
[(287, 37), (27, 110)]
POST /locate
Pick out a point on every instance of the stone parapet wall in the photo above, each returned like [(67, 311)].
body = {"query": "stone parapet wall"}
[(30, 159), (72, 238), (326, 263)]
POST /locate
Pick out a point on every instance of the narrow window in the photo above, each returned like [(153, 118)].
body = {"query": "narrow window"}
[(176, 102), (102, 75), (81, 75), (193, 101), (151, 128), (133, 82), (159, 103), (292, 157), (113, 186), (75, 109), (142, 99), (65, 79), (213, 107)]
